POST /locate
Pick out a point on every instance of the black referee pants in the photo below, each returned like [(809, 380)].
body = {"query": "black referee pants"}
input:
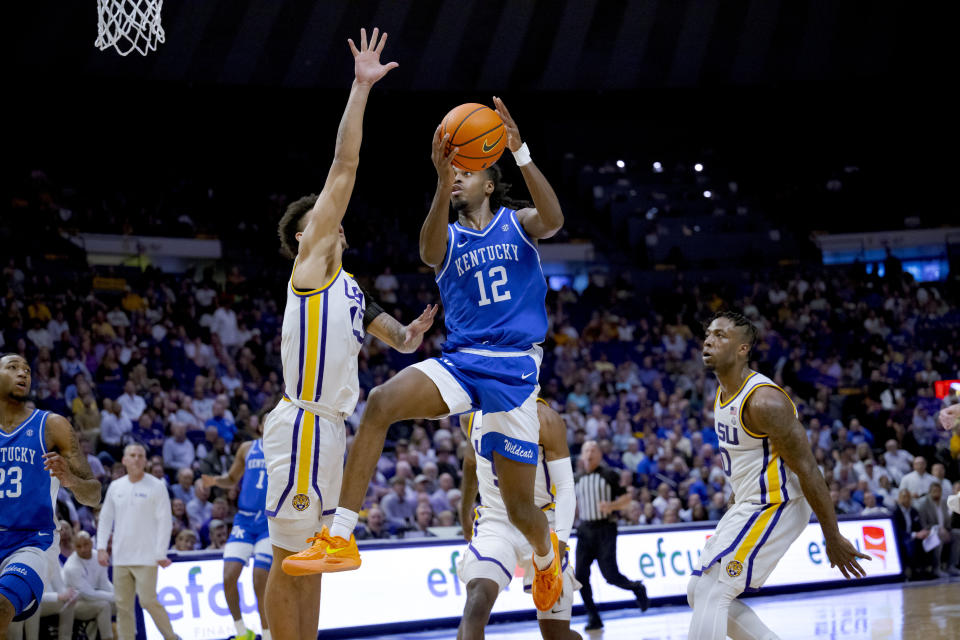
[(597, 540)]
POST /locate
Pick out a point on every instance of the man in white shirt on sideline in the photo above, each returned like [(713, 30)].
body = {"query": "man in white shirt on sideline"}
[(137, 511), (83, 572), (918, 481), (131, 405)]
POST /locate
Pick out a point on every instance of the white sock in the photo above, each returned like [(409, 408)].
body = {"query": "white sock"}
[(543, 562), (241, 628), (265, 634), (344, 522)]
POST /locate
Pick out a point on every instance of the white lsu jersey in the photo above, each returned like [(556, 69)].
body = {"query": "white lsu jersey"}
[(321, 336), (487, 482), (755, 470)]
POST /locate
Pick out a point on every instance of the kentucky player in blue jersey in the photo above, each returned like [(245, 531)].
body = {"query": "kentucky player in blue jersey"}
[(492, 286), (39, 452), (249, 535)]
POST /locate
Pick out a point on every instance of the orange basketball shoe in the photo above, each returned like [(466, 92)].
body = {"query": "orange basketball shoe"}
[(548, 583), (326, 554)]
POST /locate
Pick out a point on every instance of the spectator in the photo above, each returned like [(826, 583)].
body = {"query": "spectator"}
[(85, 574), (397, 506), (935, 516), (386, 285), (918, 481), (137, 511), (114, 427), (186, 540), (218, 535), (225, 427), (910, 536), (178, 452), (199, 510), (374, 528), (149, 434), (422, 522), (871, 508), (132, 406), (897, 460), (183, 490)]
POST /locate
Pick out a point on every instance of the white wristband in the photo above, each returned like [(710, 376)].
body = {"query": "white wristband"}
[(522, 155)]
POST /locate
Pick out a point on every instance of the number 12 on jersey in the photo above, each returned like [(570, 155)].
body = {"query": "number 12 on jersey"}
[(498, 295)]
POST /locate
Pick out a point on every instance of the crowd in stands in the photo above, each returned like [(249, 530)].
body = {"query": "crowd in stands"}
[(188, 365)]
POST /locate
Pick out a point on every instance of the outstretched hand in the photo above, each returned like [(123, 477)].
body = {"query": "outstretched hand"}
[(950, 417), (415, 330), (513, 133), (843, 555), (366, 59), (442, 155)]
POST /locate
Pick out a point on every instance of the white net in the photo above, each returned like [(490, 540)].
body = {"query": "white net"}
[(129, 25)]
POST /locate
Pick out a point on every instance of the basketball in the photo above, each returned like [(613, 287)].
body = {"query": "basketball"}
[(478, 132)]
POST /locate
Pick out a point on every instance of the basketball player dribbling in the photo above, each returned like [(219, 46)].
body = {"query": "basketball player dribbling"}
[(324, 323), (768, 462), (488, 270), (495, 546)]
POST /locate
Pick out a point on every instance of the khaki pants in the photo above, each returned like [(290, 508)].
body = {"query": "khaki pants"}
[(140, 581)]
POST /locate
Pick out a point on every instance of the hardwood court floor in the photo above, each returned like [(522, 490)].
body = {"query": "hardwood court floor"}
[(924, 611)]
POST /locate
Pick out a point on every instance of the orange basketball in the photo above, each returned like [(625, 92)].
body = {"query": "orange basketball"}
[(478, 132)]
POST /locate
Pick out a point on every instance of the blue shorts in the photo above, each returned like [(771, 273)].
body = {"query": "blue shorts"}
[(23, 564), (249, 537), (504, 385)]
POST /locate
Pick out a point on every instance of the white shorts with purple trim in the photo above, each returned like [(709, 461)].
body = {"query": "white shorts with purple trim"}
[(304, 453), (751, 538), (498, 552)]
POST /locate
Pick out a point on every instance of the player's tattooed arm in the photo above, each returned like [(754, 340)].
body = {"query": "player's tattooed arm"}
[(229, 479), (768, 411), (403, 338), (66, 461), (545, 218)]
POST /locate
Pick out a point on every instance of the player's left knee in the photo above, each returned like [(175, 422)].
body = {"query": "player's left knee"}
[(22, 588)]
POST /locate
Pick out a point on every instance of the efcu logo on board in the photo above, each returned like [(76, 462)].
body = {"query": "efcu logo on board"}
[(875, 543)]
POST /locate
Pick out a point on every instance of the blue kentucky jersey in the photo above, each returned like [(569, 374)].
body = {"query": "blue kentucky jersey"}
[(27, 492), (253, 488), (492, 287)]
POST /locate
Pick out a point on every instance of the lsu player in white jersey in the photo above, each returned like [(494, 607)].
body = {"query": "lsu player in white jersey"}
[(496, 546), (770, 466), (324, 324)]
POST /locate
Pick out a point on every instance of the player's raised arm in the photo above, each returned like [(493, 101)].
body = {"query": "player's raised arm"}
[(230, 479), (546, 216), (323, 221), (433, 233), (770, 412), (67, 462)]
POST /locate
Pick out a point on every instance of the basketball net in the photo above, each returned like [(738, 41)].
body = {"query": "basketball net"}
[(129, 25)]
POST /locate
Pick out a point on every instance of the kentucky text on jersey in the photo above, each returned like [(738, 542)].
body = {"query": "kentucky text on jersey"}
[(17, 454), (492, 287), (477, 257)]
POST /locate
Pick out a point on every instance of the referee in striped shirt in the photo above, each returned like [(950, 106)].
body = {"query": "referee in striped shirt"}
[(599, 496)]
